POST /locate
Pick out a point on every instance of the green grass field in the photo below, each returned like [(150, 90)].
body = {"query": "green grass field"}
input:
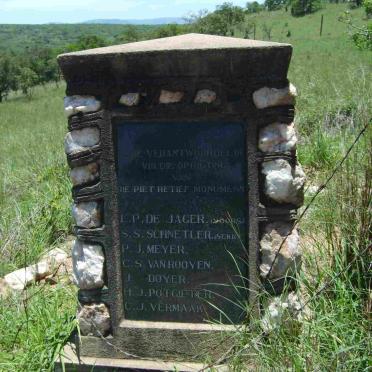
[(334, 82)]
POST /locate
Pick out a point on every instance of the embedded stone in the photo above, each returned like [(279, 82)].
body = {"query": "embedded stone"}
[(83, 104), (94, 320), (130, 99), (277, 137), (84, 174), (288, 260), (88, 261), (205, 96), (87, 214), (269, 97), (283, 311), (283, 183), (167, 97), (81, 139)]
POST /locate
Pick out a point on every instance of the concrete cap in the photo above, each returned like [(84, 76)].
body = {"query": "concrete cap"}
[(192, 55), (182, 43)]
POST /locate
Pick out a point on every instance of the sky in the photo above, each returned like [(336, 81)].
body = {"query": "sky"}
[(71, 11)]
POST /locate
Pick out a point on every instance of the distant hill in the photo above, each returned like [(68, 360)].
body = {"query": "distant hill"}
[(153, 21)]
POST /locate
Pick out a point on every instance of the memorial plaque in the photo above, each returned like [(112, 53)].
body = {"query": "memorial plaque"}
[(177, 148), (182, 208)]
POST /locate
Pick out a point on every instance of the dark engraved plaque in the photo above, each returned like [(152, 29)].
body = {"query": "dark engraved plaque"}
[(182, 206)]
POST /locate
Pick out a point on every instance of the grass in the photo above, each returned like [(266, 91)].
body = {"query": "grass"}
[(334, 103)]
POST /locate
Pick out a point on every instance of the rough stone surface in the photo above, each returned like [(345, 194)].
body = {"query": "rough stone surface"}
[(94, 320), (5, 289), (81, 140), (288, 261), (20, 279), (84, 174), (88, 261), (130, 99), (205, 96), (48, 265), (277, 137), (167, 97), (87, 214), (269, 97), (283, 183), (76, 104), (285, 310)]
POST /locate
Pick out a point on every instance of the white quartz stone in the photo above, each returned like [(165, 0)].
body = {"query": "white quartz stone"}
[(277, 137), (20, 279), (87, 214), (84, 174), (88, 262), (84, 104), (288, 261), (130, 99), (283, 311), (94, 320), (167, 97), (283, 183), (81, 139), (269, 97), (205, 96)]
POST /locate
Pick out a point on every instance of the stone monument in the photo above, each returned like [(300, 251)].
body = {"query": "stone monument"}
[(185, 182)]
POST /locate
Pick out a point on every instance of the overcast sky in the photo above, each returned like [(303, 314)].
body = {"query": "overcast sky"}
[(45, 11)]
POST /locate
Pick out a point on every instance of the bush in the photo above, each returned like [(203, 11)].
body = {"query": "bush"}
[(303, 7), (367, 4)]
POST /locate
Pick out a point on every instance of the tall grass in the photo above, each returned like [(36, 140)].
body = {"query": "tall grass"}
[(35, 215)]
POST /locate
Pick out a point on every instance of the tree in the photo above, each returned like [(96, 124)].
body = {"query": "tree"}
[(222, 21), (87, 42), (130, 35), (27, 79), (168, 30), (303, 7), (230, 15), (274, 4), (8, 76), (254, 7)]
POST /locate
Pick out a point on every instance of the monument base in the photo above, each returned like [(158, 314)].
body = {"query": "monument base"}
[(71, 361)]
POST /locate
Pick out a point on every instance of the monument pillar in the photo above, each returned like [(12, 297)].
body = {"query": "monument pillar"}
[(185, 183)]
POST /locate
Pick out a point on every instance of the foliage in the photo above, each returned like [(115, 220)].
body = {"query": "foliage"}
[(87, 42), (129, 35), (27, 79), (271, 5), (8, 76), (303, 7), (169, 30), (222, 21), (367, 4), (361, 35), (254, 7)]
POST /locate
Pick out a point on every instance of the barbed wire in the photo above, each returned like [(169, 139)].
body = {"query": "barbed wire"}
[(319, 190)]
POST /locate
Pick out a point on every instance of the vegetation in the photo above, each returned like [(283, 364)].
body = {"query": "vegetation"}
[(334, 80)]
